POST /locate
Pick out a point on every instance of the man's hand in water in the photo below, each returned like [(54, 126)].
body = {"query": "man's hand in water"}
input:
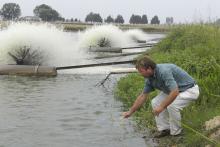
[(126, 114)]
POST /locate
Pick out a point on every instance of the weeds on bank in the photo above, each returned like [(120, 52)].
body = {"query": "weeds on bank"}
[(195, 48)]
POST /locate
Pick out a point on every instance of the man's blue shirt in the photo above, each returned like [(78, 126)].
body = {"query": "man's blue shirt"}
[(168, 77)]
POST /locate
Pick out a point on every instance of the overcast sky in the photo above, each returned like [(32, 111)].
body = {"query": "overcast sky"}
[(181, 10)]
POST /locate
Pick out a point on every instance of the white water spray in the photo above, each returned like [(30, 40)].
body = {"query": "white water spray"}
[(58, 47), (136, 35), (115, 36)]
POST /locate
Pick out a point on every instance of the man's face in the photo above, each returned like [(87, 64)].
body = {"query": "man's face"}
[(146, 72)]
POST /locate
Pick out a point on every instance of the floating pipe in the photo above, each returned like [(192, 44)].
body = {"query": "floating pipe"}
[(95, 64), (28, 70), (37, 70), (105, 49), (118, 49), (119, 55), (141, 41)]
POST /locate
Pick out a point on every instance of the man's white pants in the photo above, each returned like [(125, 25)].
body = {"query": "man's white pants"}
[(170, 118)]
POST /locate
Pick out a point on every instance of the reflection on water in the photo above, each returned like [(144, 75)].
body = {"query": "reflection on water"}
[(67, 110)]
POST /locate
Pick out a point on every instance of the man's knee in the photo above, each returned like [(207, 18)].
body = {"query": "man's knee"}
[(172, 108), (158, 99)]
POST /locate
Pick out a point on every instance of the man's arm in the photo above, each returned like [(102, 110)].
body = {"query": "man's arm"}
[(137, 104), (167, 101)]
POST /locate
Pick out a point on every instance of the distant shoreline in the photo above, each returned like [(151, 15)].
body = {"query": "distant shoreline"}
[(72, 26), (145, 28)]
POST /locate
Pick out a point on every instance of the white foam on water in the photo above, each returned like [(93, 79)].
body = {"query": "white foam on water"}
[(136, 34), (113, 34), (57, 46), (60, 48)]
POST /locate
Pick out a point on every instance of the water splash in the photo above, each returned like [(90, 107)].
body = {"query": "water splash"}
[(136, 35), (57, 46), (112, 34), (60, 48)]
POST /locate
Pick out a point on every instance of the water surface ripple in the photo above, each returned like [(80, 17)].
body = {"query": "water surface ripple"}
[(63, 111)]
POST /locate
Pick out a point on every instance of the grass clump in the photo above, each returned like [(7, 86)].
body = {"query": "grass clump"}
[(75, 26), (195, 48)]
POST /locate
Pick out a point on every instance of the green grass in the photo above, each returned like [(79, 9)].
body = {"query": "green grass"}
[(195, 48), (145, 28), (75, 26)]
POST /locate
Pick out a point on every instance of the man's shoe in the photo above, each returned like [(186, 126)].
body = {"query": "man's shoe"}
[(162, 133)]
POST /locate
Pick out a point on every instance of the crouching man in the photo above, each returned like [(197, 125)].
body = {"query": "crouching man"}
[(177, 90)]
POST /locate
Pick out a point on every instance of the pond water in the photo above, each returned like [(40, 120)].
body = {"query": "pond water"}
[(67, 110)]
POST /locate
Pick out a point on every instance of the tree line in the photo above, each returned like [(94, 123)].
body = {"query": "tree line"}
[(12, 11), (134, 19)]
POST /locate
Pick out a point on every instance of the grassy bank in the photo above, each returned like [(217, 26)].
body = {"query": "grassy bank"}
[(195, 48), (145, 28), (75, 26)]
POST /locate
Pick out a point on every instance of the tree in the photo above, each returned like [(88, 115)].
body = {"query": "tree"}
[(169, 20), (144, 19), (155, 20), (217, 21), (119, 19), (46, 13), (98, 18), (93, 17), (109, 19), (89, 17), (131, 20), (135, 19), (10, 11), (38, 9)]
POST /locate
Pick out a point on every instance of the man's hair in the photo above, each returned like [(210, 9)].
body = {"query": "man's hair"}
[(145, 62)]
